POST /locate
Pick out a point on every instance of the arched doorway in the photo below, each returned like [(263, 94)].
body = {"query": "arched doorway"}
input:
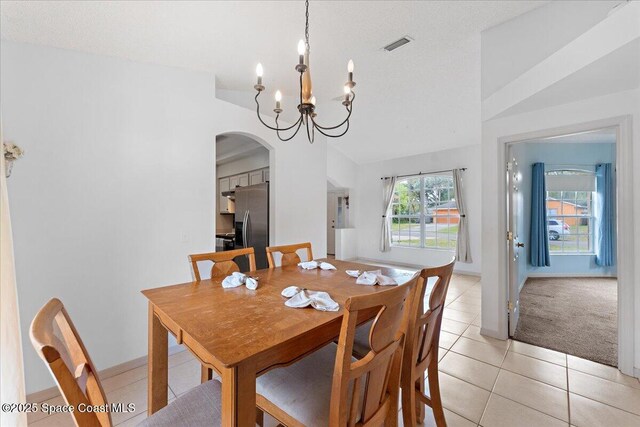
[(244, 198)]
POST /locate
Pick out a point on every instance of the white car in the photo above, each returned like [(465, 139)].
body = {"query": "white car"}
[(557, 228)]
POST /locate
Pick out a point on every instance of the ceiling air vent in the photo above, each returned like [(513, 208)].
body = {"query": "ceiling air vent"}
[(396, 44)]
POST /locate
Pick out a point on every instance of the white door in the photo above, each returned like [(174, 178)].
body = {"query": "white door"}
[(515, 232), (331, 223)]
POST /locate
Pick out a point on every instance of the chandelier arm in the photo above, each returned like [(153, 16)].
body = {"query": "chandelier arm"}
[(299, 123), (333, 136), (349, 109), (271, 127)]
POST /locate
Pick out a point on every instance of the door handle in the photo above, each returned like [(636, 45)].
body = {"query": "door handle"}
[(244, 229), (520, 245)]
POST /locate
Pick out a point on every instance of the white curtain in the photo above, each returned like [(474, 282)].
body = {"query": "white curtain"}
[(463, 248), (387, 197), (11, 365)]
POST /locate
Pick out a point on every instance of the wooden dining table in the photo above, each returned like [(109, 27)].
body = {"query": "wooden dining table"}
[(243, 333)]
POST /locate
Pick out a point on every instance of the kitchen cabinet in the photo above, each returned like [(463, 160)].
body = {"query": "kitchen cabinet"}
[(241, 180), (229, 183), (255, 177)]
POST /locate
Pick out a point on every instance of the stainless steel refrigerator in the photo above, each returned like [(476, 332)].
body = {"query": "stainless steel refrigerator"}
[(252, 223)]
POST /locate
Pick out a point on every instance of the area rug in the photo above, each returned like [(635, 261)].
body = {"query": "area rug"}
[(577, 316)]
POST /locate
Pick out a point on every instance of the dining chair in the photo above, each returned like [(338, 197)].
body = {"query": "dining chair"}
[(223, 262), (56, 340), (223, 265), (421, 348), (329, 386), (420, 352), (289, 254)]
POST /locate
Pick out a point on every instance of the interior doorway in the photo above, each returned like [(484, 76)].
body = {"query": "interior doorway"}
[(243, 188), (337, 214), (562, 234)]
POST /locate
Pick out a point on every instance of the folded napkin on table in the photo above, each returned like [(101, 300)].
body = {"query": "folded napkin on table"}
[(300, 298), (237, 279), (372, 278), (311, 265)]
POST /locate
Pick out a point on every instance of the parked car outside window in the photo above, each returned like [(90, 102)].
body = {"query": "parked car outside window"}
[(557, 228)]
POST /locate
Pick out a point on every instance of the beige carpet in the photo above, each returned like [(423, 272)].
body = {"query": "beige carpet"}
[(577, 316)]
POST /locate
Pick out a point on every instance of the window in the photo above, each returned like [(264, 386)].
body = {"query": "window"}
[(424, 213), (570, 196)]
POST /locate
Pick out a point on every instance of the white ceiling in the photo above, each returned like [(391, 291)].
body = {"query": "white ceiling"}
[(423, 97), (235, 146), (616, 72)]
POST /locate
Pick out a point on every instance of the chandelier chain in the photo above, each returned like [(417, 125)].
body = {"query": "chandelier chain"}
[(306, 27)]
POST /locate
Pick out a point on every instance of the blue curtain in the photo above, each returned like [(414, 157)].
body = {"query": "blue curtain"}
[(605, 228), (539, 233)]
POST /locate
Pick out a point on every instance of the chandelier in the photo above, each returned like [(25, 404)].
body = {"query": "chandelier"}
[(307, 105)]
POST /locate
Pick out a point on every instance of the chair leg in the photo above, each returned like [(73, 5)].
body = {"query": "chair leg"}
[(408, 401), (259, 417), (419, 387), (434, 391), (206, 374)]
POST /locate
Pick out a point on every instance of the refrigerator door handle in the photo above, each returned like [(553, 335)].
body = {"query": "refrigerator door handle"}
[(247, 230), (245, 220)]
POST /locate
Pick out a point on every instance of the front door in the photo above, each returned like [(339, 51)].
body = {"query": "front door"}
[(515, 232)]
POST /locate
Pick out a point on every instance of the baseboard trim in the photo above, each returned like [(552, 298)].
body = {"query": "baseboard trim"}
[(566, 275), (491, 333), (53, 392)]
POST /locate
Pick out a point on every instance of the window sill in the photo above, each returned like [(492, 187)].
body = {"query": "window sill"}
[(572, 254), (418, 247)]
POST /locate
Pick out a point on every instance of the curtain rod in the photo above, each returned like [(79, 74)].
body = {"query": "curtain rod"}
[(423, 173)]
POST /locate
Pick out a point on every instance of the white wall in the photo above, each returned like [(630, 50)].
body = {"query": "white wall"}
[(494, 256), (550, 153), (118, 169), (369, 206)]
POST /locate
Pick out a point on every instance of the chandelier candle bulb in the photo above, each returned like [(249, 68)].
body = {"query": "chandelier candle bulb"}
[(259, 87), (301, 49), (350, 70), (278, 99)]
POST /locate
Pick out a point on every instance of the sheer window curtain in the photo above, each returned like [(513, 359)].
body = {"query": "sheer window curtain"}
[(388, 186), (11, 364), (463, 246), (539, 232), (605, 216)]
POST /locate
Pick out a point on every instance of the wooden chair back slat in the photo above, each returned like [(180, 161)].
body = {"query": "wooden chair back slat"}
[(378, 373), (289, 254), (57, 342), (223, 262)]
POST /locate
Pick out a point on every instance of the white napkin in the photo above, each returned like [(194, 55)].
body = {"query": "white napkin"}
[(353, 273), (311, 265), (371, 278), (300, 298), (238, 279)]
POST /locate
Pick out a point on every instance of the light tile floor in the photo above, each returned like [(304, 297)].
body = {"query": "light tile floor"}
[(484, 381)]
